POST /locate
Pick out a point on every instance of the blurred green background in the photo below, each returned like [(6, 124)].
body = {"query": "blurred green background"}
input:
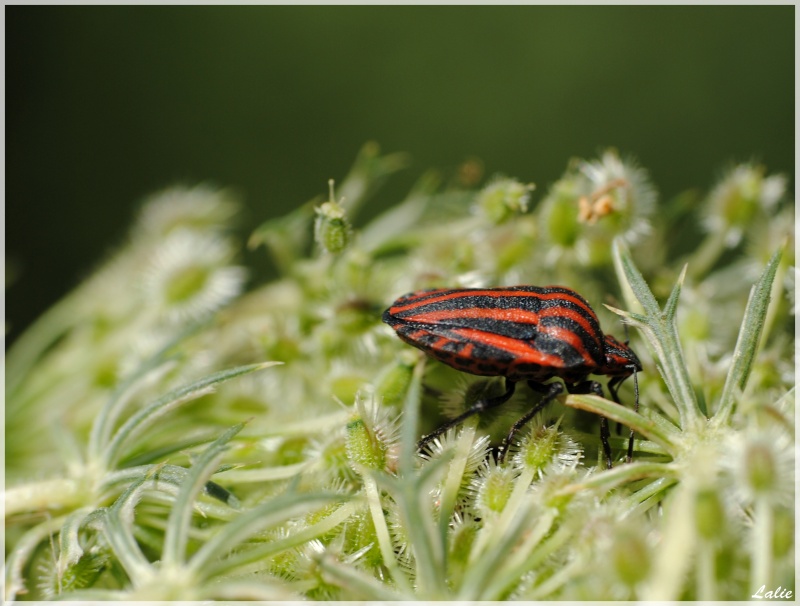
[(105, 105)]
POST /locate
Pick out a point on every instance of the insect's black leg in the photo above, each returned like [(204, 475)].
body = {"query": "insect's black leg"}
[(635, 409), (614, 383), (553, 390), (597, 389), (604, 432), (479, 406), (604, 435), (613, 387)]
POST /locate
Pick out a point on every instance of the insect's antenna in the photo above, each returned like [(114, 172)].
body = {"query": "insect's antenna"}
[(635, 409)]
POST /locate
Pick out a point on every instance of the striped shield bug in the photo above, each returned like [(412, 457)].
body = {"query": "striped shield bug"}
[(522, 333)]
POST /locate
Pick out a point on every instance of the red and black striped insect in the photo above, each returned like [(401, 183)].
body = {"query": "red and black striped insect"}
[(522, 333)]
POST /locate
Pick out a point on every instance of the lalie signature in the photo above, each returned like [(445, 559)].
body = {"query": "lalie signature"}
[(773, 594)]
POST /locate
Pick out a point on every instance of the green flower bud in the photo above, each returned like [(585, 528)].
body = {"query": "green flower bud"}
[(371, 437), (709, 514), (538, 449), (562, 223), (504, 198), (494, 486), (631, 558), (363, 449), (332, 230), (760, 468), (393, 382), (546, 448)]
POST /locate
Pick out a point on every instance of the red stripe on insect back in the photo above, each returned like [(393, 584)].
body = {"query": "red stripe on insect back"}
[(512, 315), (571, 314), (573, 298), (424, 298), (417, 299), (569, 337), (525, 352)]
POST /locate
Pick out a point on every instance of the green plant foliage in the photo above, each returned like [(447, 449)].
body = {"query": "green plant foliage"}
[(172, 434)]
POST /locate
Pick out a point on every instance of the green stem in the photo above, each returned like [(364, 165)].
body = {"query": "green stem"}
[(382, 531), (55, 494), (763, 529), (706, 572), (452, 482), (656, 432), (620, 476)]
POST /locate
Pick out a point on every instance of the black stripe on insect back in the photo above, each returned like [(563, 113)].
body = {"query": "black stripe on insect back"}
[(423, 337), (526, 298), (536, 334), (467, 308), (447, 338)]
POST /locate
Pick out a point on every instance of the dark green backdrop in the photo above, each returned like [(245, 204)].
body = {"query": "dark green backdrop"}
[(107, 104)]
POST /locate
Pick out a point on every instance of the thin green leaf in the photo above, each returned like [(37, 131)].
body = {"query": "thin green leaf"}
[(167, 479), (150, 414), (633, 280), (492, 578), (484, 569), (514, 565), (355, 581), (661, 332), (69, 545), (454, 478), (749, 336), (385, 543), (411, 492), (616, 412), (176, 535), (672, 303), (408, 431), (251, 522), (259, 553), (111, 411), (18, 558), (621, 475), (117, 529)]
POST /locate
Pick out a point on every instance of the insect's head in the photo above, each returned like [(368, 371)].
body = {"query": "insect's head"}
[(620, 359)]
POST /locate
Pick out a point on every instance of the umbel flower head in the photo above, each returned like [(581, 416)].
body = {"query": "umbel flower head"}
[(761, 465), (190, 276), (201, 207), (739, 197), (594, 202)]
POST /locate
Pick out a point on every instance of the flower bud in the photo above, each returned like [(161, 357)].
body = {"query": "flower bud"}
[(393, 383), (494, 486), (709, 514), (504, 198), (363, 449), (332, 230), (631, 558)]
